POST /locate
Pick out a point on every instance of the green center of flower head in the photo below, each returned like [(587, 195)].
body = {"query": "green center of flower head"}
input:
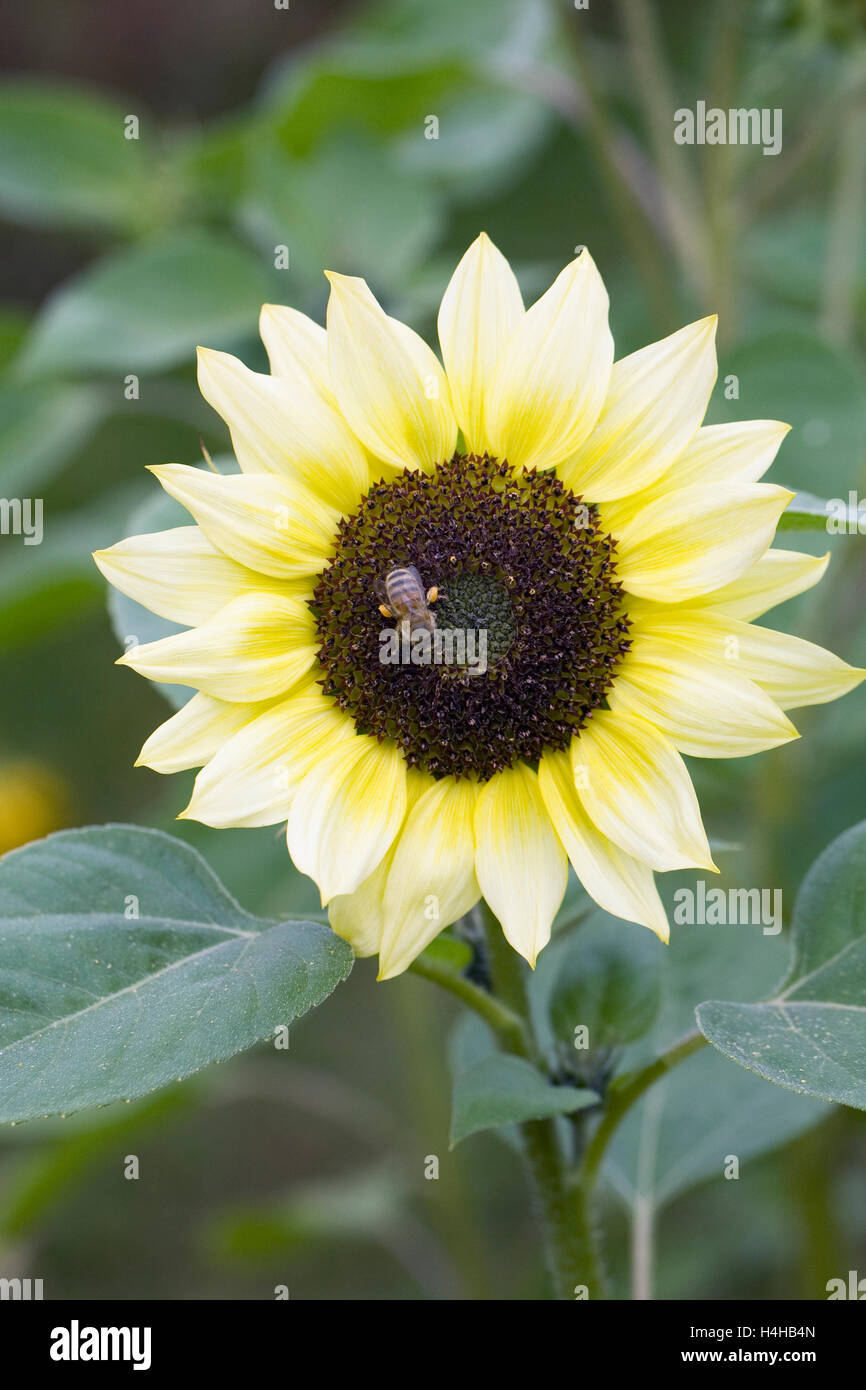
[(529, 622)]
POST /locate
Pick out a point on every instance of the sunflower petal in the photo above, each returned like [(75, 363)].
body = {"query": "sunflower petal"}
[(432, 880), (179, 574), (635, 787), (552, 375), (359, 917), (346, 812), (194, 734), (621, 884), (255, 648), (389, 383), (655, 402), (736, 453), (792, 671), (718, 454), (697, 539), (776, 576), (266, 523), (706, 709), (521, 865), (480, 310), (284, 426), (251, 778), (297, 348)]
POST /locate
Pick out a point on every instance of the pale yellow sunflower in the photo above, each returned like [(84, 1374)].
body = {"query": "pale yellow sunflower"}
[(571, 508)]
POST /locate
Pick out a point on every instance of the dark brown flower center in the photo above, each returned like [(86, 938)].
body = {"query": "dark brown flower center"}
[(529, 624)]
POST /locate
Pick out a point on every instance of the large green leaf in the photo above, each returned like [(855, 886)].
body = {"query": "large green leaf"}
[(147, 308), (787, 255), (608, 982), (486, 136), (55, 1161), (42, 586), (396, 219), (352, 1206), (98, 1004), (811, 1035), (814, 387), (504, 1090), (688, 1125), (42, 427), (64, 160), (682, 1130), (350, 88)]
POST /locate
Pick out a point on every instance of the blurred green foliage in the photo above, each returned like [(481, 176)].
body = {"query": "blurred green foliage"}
[(554, 128)]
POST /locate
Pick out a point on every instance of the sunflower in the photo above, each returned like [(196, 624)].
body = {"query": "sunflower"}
[(572, 509)]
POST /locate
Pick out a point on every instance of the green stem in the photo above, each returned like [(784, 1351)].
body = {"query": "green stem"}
[(564, 1197), (569, 1234), (507, 1025), (720, 172), (632, 220), (623, 1094), (846, 227), (682, 202)]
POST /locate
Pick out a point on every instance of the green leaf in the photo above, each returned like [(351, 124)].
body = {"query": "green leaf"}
[(682, 1130), (808, 513), (64, 161), (99, 1005), (39, 1181), (688, 1125), (813, 386), (487, 135), (502, 1090), (397, 216), (606, 981), (13, 326), (811, 1035), (43, 586), (447, 950), (147, 308), (42, 427), (347, 88), (786, 255), (352, 1206)]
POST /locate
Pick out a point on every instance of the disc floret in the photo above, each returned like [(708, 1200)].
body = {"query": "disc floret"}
[(514, 554)]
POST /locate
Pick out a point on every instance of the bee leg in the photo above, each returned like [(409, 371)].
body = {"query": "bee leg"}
[(386, 612), (432, 594)]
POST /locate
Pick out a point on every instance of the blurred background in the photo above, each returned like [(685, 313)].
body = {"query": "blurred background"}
[(308, 128)]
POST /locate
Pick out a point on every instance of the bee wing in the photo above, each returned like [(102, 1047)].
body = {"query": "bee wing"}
[(410, 569), (380, 591)]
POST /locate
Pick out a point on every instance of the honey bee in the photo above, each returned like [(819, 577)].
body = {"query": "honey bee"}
[(407, 601)]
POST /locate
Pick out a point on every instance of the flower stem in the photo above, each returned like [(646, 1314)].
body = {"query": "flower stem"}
[(564, 1197), (619, 175), (623, 1094), (505, 1024), (838, 315), (681, 197), (568, 1231)]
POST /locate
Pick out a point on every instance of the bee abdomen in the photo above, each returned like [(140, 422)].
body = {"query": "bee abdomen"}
[(402, 587)]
